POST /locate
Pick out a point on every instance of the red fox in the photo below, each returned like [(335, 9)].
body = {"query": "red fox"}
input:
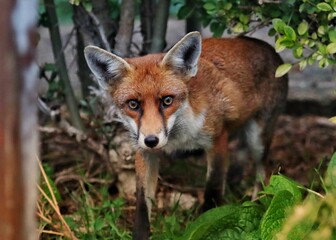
[(191, 98)]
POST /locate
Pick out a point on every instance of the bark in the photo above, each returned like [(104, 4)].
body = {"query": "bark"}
[(160, 26), (83, 72), (125, 32), (101, 10), (57, 47), (18, 122), (147, 14)]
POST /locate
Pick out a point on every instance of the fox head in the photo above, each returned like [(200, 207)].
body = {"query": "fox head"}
[(150, 93)]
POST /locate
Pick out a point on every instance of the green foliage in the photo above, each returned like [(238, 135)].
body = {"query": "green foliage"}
[(307, 27), (280, 213), (100, 220)]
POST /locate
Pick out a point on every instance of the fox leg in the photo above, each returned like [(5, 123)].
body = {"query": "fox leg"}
[(217, 160), (146, 166), (259, 137)]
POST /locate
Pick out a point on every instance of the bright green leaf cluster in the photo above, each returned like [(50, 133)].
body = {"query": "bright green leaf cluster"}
[(307, 27)]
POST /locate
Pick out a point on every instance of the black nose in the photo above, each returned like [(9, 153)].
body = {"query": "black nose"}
[(151, 141)]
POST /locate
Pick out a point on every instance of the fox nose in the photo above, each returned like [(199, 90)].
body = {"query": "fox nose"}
[(151, 141)]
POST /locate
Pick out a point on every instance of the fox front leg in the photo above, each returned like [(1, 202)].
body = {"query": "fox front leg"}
[(146, 167), (217, 160)]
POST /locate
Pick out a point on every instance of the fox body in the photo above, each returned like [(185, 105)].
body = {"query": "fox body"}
[(191, 98)]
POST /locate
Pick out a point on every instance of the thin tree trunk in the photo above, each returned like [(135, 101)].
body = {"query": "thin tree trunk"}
[(57, 47), (102, 11), (160, 26), (125, 32), (18, 121), (147, 15), (193, 22), (83, 72)]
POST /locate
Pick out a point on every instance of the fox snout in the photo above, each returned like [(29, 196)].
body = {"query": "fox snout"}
[(151, 141)]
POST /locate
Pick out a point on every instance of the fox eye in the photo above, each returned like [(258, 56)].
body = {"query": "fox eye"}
[(133, 104), (167, 101)]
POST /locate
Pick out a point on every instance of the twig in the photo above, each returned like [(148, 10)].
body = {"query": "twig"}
[(51, 232)]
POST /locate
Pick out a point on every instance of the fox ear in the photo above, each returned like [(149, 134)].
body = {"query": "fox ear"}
[(106, 66), (183, 57)]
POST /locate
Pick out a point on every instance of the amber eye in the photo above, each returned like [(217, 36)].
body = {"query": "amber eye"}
[(133, 104), (167, 101)]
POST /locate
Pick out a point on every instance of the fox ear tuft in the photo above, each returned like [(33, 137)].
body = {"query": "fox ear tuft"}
[(106, 66), (183, 57)]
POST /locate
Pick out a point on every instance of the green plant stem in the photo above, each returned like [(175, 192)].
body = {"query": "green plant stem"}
[(57, 48)]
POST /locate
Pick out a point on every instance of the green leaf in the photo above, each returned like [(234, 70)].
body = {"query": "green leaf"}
[(331, 16), (278, 46), (297, 52), (275, 215), (279, 183), (302, 64), (200, 226), (324, 7), (321, 30), (290, 33), (99, 224), (244, 18), (229, 222), (330, 178), (209, 6), (332, 35), (228, 6), (278, 25), (283, 69), (303, 28), (185, 12), (238, 28), (323, 63), (217, 28), (331, 48)]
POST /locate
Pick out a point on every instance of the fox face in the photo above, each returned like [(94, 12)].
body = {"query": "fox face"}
[(151, 93)]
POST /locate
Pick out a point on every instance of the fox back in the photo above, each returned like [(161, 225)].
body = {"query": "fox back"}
[(191, 98)]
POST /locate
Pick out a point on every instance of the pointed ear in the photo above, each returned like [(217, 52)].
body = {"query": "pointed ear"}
[(106, 66), (183, 57)]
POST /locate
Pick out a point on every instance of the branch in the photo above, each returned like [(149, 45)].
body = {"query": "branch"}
[(56, 42), (125, 32)]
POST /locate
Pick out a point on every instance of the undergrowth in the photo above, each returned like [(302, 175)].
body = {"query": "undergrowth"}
[(284, 210)]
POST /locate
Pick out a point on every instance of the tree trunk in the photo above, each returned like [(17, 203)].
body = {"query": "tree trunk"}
[(125, 32), (160, 26), (83, 72), (147, 15), (193, 22), (102, 11), (18, 121), (57, 47)]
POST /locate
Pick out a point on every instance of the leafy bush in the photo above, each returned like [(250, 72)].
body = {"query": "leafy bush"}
[(307, 27), (280, 213)]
